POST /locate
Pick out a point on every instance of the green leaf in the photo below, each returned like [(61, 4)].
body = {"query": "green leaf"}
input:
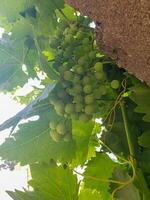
[(82, 135), (144, 160), (128, 192), (19, 195), (10, 9), (30, 109), (116, 138), (87, 194), (52, 182), (141, 96), (144, 139), (34, 144), (98, 172)]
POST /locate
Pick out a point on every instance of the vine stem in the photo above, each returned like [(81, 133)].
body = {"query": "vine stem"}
[(127, 130), (138, 173)]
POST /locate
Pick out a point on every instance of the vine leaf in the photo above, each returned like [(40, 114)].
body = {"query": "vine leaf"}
[(17, 195), (28, 111), (100, 167), (89, 195), (127, 192), (49, 182), (34, 144), (144, 160), (140, 94), (52, 182), (144, 139), (82, 133)]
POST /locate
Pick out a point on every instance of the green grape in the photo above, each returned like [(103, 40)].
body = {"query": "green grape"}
[(80, 70), (90, 109), (99, 75), (84, 117), (82, 60), (87, 89), (66, 31), (103, 90), (86, 80), (115, 84), (52, 99), (89, 99), (61, 128), (92, 55), (80, 35), (77, 89), (55, 136), (73, 29), (98, 67), (67, 137), (68, 75), (78, 107), (76, 79), (85, 41), (61, 93), (53, 125), (69, 109), (70, 91), (74, 116), (59, 108), (87, 48), (97, 94), (78, 99)]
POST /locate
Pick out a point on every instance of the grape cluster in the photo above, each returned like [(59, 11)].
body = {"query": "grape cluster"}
[(60, 131), (82, 79)]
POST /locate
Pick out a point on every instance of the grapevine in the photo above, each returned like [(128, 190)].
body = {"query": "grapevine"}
[(91, 135)]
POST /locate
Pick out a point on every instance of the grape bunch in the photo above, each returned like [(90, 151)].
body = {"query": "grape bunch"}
[(82, 78), (60, 131)]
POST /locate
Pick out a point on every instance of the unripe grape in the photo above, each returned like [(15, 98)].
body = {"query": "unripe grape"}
[(69, 109), (99, 75), (59, 107), (97, 94), (55, 136), (67, 137), (53, 125), (84, 118), (77, 89), (61, 128), (103, 90), (98, 67), (68, 75), (78, 99), (66, 31), (61, 93), (82, 60), (78, 107), (115, 84), (87, 89), (86, 80), (90, 109), (85, 41), (76, 79), (80, 70), (73, 29), (89, 99), (80, 35)]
